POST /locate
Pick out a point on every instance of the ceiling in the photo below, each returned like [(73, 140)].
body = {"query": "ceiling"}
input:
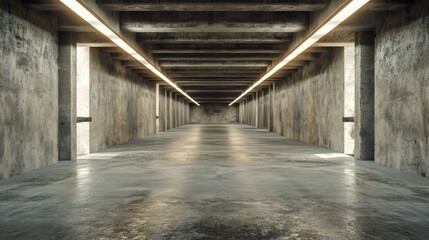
[(215, 49)]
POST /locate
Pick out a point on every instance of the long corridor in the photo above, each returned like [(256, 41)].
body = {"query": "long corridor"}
[(215, 182)]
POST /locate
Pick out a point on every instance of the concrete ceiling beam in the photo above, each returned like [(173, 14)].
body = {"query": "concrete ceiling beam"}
[(216, 70), (217, 51), (214, 90), (216, 5), (68, 22), (235, 5), (190, 37), (203, 64), (364, 21), (389, 5), (215, 22), (214, 74), (179, 58), (214, 102), (92, 40)]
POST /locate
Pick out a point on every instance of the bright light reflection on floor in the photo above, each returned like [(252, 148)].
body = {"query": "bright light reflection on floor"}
[(332, 155), (99, 156)]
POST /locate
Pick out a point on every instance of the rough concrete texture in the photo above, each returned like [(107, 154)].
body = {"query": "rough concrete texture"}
[(122, 105), (261, 114), (309, 105), (402, 90), (227, 182), (213, 113), (67, 97), (173, 112), (364, 110), (28, 89)]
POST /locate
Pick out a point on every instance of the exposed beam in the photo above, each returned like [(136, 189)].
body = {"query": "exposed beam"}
[(68, 22), (222, 5), (217, 38), (221, 58), (214, 90), (214, 74), (389, 5), (228, 69), (216, 51), (220, 98), (212, 83), (215, 102), (214, 22), (204, 64), (231, 5), (92, 40), (364, 21)]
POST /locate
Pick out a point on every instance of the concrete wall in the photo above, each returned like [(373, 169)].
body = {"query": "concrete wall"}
[(28, 89), (309, 105), (402, 90), (122, 105), (213, 113), (173, 110)]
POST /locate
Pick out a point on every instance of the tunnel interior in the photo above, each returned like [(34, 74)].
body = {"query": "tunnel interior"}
[(214, 119)]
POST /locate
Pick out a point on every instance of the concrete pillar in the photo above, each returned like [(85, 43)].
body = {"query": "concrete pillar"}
[(273, 107), (256, 103), (157, 130), (176, 111), (66, 97), (364, 95), (271, 102), (170, 112), (165, 110)]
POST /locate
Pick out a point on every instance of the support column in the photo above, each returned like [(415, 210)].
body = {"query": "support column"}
[(256, 103), (165, 110), (364, 85), (157, 130), (271, 102), (171, 116), (66, 97)]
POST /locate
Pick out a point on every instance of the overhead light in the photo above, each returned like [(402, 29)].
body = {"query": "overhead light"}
[(342, 14), (77, 7)]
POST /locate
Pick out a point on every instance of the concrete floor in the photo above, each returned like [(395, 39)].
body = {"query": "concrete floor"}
[(215, 182)]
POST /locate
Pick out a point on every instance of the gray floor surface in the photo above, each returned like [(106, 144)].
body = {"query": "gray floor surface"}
[(215, 182)]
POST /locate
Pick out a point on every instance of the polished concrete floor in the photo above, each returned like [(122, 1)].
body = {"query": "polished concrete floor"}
[(215, 182)]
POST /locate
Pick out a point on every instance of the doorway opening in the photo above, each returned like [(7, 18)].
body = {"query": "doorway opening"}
[(82, 101)]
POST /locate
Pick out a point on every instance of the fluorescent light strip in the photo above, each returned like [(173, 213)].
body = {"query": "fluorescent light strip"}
[(84, 13), (342, 15)]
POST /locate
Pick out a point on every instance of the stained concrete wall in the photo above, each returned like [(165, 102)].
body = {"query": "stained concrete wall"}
[(173, 110), (309, 106), (122, 105), (402, 89), (213, 113), (28, 89)]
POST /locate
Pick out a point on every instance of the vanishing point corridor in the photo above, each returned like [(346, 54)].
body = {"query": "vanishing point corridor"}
[(218, 181)]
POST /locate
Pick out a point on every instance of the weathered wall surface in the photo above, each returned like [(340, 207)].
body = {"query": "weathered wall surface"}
[(213, 113), (309, 106), (28, 89), (122, 105), (402, 90), (173, 110)]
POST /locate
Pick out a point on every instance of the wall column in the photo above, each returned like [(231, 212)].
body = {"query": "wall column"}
[(157, 129), (364, 85), (66, 97)]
